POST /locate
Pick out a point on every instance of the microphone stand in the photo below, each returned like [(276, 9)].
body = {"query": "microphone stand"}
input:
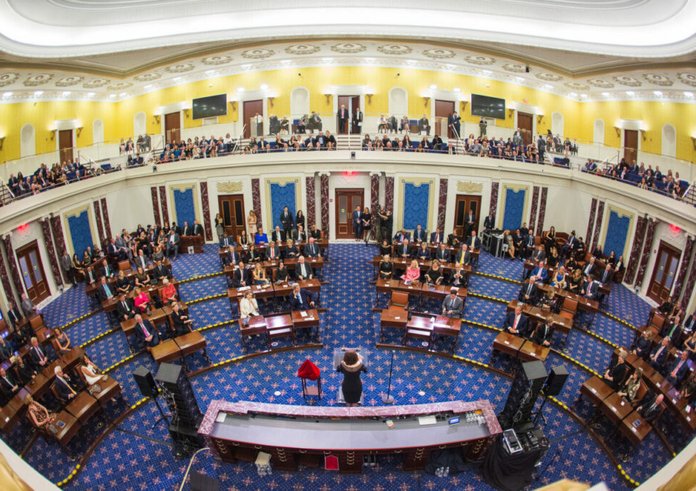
[(387, 398)]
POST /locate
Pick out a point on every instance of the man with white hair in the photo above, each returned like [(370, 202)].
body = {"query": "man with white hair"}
[(63, 385)]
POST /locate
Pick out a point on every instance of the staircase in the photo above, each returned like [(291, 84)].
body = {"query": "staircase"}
[(689, 196)]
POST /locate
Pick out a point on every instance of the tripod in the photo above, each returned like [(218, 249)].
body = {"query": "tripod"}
[(540, 412), (388, 398), (162, 417)]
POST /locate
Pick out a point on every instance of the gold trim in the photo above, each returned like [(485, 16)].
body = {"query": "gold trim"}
[(172, 208), (469, 187), (229, 187), (417, 182)]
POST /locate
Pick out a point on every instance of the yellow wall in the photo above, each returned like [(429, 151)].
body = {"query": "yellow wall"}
[(118, 116)]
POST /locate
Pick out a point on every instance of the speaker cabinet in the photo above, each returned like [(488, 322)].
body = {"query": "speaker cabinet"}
[(525, 389), (146, 382), (556, 380), (179, 395)]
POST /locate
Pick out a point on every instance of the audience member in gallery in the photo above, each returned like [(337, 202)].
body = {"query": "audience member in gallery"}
[(351, 366), (629, 390), (90, 372), (301, 299)]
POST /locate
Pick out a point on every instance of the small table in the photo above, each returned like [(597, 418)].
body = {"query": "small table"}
[(280, 326), (166, 351), (309, 320), (446, 326), (255, 326), (394, 317), (616, 408), (635, 435)]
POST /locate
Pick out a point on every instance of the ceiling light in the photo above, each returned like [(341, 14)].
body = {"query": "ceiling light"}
[(572, 94), (519, 79), (148, 86), (285, 62), (433, 87), (210, 72), (66, 93), (457, 89), (246, 66), (7, 94), (686, 94), (38, 93), (486, 72), (327, 60), (90, 94), (605, 94), (369, 60), (264, 87), (584, 96), (450, 66), (176, 79), (122, 94), (547, 86), (657, 93), (630, 93), (112, 96), (411, 62), (240, 89)]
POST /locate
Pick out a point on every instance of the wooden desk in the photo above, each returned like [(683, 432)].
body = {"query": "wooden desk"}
[(448, 327), (279, 326), (309, 321), (595, 390), (634, 435), (563, 324), (615, 407), (68, 432), (11, 413), (83, 406), (166, 351), (518, 347), (190, 343), (394, 317), (417, 288), (191, 240), (257, 325)]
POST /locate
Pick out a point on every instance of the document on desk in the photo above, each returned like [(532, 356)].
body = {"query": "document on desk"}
[(427, 420), (303, 314)]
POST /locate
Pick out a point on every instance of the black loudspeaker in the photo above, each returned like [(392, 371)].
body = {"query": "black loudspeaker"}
[(179, 395), (556, 380), (525, 389), (145, 380)]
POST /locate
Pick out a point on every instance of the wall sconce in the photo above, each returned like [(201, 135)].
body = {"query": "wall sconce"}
[(425, 100), (328, 96), (233, 104), (2, 141), (693, 140), (270, 101), (53, 133), (618, 131), (78, 130), (540, 118), (643, 133), (369, 98), (156, 117), (187, 113), (511, 113)]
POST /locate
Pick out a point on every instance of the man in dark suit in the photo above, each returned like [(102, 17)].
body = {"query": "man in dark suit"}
[(9, 386), (672, 331), (403, 249), (90, 275), (273, 252), (607, 275), (543, 333), (286, 220), (66, 265), (226, 241), (241, 276), (173, 244), (401, 236), (186, 230), (489, 223), (643, 344), (301, 299), (590, 267), (357, 223), (463, 255), (231, 257), (5, 349), (39, 357), (470, 222), (689, 324), (679, 369), (442, 253), (650, 408), (197, 228), (590, 288), (436, 237), (311, 249), (424, 125), (357, 121), (106, 270), (473, 241), (516, 322), (529, 293), (420, 235), (146, 332), (455, 122), (140, 260), (278, 235), (616, 375), (659, 354), (23, 373), (452, 305), (303, 271), (570, 244), (343, 117), (105, 292), (14, 315), (180, 322), (125, 308), (160, 271), (64, 386)]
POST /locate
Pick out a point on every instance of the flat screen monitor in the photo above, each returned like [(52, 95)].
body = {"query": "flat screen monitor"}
[(207, 107), (489, 107)]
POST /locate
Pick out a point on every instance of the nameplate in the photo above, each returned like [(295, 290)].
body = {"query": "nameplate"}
[(593, 390), (397, 318), (303, 314), (507, 342)]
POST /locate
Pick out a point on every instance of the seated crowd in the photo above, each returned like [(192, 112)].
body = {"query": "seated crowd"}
[(44, 178), (669, 184)]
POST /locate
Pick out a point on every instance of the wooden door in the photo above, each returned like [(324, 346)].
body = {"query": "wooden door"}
[(354, 108), (346, 201), (65, 145), (464, 203), (630, 145), (664, 271), (172, 127), (525, 123), (343, 100), (31, 269), (250, 110), (443, 110), (231, 208)]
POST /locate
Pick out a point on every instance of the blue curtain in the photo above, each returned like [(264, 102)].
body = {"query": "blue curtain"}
[(617, 233), (183, 202), (514, 208), (282, 195), (80, 232), (416, 205)]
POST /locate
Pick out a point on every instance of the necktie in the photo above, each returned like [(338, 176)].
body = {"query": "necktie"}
[(529, 289), (125, 307), (517, 318), (12, 386), (272, 252), (145, 331), (108, 291), (657, 355), (676, 370), (42, 357), (72, 391), (461, 258)]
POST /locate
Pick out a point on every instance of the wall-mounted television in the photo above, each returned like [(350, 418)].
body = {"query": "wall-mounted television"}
[(488, 107), (207, 107)]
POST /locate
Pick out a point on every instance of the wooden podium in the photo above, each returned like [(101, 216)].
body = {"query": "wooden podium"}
[(187, 241)]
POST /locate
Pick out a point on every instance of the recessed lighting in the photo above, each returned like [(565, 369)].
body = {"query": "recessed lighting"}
[(240, 89), (176, 79), (210, 72), (450, 66), (66, 93), (686, 94), (411, 62), (90, 94), (630, 93), (486, 72), (584, 96), (7, 94), (457, 89), (112, 96), (605, 94), (369, 60), (246, 66), (264, 86), (657, 93), (38, 93), (519, 79), (122, 94), (285, 62), (327, 60), (148, 86), (547, 87)]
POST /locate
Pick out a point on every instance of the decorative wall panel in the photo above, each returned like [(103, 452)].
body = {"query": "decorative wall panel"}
[(590, 223), (374, 193), (163, 204), (598, 225), (442, 203), (636, 248), (493, 206), (542, 210), (50, 250), (324, 192), (256, 201), (311, 196), (647, 246), (389, 194), (690, 283), (533, 213), (683, 268), (206, 211), (282, 193), (155, 206), (617, 231), (5, 278), (58, 237), (105, 216), (100, 226), (14, 269), (514, 202)]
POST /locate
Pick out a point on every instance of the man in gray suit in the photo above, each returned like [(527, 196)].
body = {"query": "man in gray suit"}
[(68, 268), (27, 306), (452, 306)]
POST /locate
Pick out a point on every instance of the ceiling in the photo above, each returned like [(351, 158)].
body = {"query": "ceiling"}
[(118, 48)]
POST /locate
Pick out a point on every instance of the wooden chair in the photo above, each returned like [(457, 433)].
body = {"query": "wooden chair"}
[(124, 266), (399, 299), (36, 322), (88, 404), (569, 308)]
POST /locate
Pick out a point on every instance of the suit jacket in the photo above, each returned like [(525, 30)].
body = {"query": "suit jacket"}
[(662, 357), (197, 229), (150, 329), (312, 250), (231, 258), (420, 236), (436, 238), (34, 355), (27, 307), (275, 252), (303, 303), (521, 324), (402, 250), (589, 269), (456, 305), (90, 277), (591, 289), (606, 276), (422, 253), (160, 271), (187, 230), (239, 276), (103, 295), (63, 387), (286, 220), (128, 310), (542, 333), (141, 261), (399, 237), (278, 236), (226, 241), (180, 327), (467, 257), (442, 255), (343, 114), (682, 372), (539, 255), (14, 315), (357, 218), (542, 274), (304, 270), (473, 243), (533, 293), (488, 223)]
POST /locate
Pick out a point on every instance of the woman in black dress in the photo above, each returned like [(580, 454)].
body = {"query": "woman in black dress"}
[(351, 366), (366, 218), (300, 219)]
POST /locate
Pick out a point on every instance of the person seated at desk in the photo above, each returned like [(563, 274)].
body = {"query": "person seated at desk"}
[(303, 271), (259, 275), (552, 258), (538, 255), (384, 248), (575, 282), (314, 232), (463, 257), (278, 235), (9, 386), (14, 315), (260, 237), (311, 249), (169, 294), (541, 272), (301, 299), (442, 253), (248, 307), (141, 279), (5, 350), (90, 372), (529, 293), (140, 260), (688, 391), (158, 254), (453, 305), (142, 301), (436, 237), (643, 345), (403, 249), (123, 284), (40, 416), (160, 272), (672, 330), (146, 332), (228, 240), (282, 274), (558, 279), (607, 275), (180, 321), (453, 241), (543, 333), (273, 251), (422, 252), (106, 270), (39, 357), (231, 256), (298, 234), (516, 322), (401, 236), (253, 255), (241, 276), (64, 385), (460, 278), (616, 375), (243, 240), (590, 267), (104, 292), (291, 249), (679, 369), (658, 357), (473, 242), (62, 340), (125, 308), (590, 289), (650, 407), (23, 372), (386, 268), (630, 387), (689, 345), (434, 275), (351, 366), (420, 235), (412, 273)]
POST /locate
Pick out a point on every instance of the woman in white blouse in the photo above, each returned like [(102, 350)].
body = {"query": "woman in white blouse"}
[(248, 307)]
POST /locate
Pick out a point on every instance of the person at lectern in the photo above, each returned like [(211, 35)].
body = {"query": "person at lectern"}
[(351, 366)]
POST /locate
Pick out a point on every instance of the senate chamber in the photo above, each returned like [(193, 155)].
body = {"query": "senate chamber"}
[(346, 246)]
